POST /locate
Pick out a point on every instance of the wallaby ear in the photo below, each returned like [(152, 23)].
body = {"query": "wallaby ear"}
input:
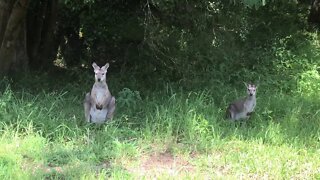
[(95, 66), (105, 67)]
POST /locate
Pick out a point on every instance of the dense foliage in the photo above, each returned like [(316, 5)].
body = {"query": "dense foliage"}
[(186, 41), (174, 39)]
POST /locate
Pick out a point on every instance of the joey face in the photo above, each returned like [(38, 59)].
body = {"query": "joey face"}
[(100, 73), (251, 89)]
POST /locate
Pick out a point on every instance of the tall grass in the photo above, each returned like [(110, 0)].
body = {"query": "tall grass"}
[(44, 135)]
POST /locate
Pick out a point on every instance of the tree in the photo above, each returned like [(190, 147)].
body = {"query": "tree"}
[(13, 52), (27, 34)]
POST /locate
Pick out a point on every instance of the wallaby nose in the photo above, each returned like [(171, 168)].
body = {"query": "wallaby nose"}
[(99, 79), (251, 94)]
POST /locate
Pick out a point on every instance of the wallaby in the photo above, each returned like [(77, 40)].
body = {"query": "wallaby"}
[(99, 104), (243, 108)]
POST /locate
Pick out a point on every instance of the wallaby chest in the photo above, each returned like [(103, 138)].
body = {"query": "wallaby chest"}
[(100, 92), (250, 104)]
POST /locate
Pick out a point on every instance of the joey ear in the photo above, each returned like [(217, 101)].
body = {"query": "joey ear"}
[(105, 67), (95, 66)]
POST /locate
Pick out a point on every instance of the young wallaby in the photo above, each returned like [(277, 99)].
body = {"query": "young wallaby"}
[(99, 104), (243, 108)]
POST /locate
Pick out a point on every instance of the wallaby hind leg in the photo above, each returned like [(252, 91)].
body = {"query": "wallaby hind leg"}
[(87, 106), (111, 107), (230, 112)]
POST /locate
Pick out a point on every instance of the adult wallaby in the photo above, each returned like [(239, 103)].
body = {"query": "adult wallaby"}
[(99, 104), (243, 108)]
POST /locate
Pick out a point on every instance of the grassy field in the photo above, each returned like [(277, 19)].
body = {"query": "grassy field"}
[(167, 132)]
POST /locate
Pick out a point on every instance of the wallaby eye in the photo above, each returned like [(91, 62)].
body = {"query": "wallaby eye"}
[(102, 74)]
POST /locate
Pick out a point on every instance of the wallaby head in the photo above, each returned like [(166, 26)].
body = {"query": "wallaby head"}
[(251, 89), (100, 73)]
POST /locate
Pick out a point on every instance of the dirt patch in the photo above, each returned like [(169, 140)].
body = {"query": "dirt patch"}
[(162, 163)]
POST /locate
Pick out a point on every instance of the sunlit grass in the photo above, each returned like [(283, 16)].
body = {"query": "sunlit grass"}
[(168, 133)]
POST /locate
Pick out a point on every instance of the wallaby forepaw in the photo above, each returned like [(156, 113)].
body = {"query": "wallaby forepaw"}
[(249, 113)]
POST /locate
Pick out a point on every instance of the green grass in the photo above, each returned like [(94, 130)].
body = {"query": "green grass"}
[(167, 132)]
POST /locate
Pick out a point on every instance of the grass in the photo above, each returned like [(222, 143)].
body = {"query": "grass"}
[(164, 133)]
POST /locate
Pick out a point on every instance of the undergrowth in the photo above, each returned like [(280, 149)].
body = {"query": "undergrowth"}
[(44, 135)]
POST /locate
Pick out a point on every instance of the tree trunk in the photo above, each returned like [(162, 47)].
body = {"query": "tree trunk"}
[(42, 43), (36, 20), (13, 53), (314, 16), (5, 10), (49, 47)]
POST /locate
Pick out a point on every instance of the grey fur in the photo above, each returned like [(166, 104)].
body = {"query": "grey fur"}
[(243, 108), (99, 104)]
